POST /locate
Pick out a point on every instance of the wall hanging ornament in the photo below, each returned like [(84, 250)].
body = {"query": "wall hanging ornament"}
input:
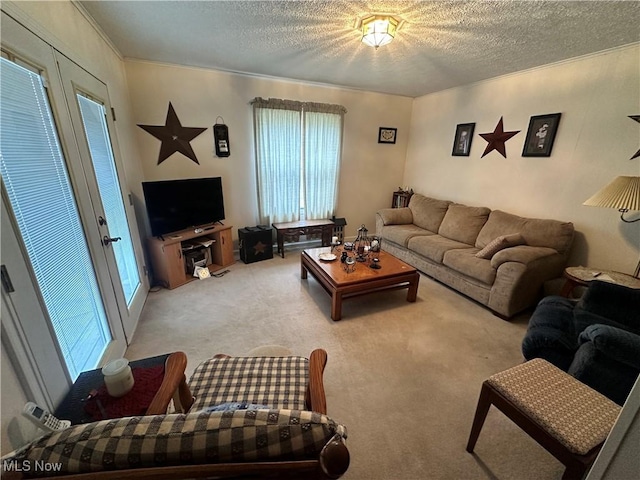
[(497, 138), (221, 139), (174, 137), (637, 119)]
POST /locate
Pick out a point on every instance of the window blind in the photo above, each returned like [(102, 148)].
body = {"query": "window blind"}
[(36, 181), (95, 129)]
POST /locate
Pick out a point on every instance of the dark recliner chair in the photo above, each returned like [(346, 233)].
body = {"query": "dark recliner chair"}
[(596, 339)]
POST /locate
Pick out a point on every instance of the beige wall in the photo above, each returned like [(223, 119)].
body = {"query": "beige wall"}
[(370, 172), (594, 143)]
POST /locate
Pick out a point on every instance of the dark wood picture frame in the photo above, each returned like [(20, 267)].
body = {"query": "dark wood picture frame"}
[(462, 140), (541, 135), (387, 135)]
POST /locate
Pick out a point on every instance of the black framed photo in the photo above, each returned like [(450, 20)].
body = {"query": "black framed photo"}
[(540, 135), (462, 140), (387, 135)]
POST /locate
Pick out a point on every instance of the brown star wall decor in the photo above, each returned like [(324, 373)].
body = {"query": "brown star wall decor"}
[(174, 137), (497, 138), (637, 119)]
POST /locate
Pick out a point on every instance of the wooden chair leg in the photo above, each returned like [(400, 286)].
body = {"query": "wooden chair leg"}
[(484, 402)]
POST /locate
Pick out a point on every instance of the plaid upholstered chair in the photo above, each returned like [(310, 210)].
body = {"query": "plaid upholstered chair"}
[(253, 416)]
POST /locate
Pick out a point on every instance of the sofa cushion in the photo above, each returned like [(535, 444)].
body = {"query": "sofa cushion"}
[(177, 439), (536, 232), (428, 212), (468, 263), (242, 379), (434, 247), (500, 243), (401, 234), (463, 223)]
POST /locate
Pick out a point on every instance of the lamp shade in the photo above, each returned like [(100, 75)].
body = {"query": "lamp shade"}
[(622, 193), (379, 30)]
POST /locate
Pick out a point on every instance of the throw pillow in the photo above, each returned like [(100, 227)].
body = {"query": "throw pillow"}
[(500, 243)]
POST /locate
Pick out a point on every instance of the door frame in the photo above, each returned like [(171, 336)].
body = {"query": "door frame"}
[(17, 332)]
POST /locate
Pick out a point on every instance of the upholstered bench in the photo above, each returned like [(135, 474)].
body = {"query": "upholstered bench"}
[(566, 417)]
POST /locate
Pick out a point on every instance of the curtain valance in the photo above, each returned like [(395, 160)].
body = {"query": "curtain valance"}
[(279, 104)]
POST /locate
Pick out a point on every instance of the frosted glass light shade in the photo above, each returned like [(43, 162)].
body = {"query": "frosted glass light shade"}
[(379, 30), (622, 193)]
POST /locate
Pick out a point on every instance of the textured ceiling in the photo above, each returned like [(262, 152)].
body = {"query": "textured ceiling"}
[(442, 44)]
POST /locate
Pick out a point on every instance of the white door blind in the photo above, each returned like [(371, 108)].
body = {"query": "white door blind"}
[(95, 129), (37, 184)]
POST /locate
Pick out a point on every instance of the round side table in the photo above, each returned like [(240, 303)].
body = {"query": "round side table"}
[(582, 276)]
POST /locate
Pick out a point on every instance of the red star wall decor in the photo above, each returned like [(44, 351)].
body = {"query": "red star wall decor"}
[(637, 119), (497, 139), (174, 137)]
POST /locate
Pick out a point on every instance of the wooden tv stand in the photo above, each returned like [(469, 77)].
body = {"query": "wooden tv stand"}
[(167, 255)]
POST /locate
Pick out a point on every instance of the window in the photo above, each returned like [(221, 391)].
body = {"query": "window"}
[(97, 134), (298, 149)]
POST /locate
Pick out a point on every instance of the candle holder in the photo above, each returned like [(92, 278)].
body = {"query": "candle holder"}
[(349, 264), (362, 244)]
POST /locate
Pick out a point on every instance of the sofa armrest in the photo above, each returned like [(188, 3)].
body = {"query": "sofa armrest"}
[(615, 343), (524, 254), (521, 273), (396, 216)]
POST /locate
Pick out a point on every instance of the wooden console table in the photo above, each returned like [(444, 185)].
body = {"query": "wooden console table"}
[(291, 231)]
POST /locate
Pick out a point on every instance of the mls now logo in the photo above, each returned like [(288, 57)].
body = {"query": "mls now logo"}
[(28, 466)]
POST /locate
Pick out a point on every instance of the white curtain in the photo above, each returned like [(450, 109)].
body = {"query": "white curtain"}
[(298, 149), (278, 157), (322, 147)]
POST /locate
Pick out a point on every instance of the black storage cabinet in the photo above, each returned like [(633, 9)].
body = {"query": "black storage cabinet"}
[(255, 243)]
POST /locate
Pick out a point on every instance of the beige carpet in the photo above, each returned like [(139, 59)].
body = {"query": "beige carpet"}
[(403, 377)]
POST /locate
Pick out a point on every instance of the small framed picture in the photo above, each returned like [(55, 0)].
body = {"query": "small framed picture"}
[(540, 135), (462, 140), (387, 135)]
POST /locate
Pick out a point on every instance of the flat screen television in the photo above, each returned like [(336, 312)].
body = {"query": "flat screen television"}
[(174, 205)]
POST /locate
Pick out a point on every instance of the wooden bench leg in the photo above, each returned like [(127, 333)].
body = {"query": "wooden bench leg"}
[(484, 402), (574, 473)]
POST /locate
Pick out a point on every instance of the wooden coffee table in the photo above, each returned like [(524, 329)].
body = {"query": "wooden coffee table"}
[(394, 274)]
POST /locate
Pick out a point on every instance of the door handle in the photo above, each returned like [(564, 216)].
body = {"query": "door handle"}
[(107, 240)]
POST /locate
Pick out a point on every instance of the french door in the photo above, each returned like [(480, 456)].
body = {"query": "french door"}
[(92, 121), (70, 251)]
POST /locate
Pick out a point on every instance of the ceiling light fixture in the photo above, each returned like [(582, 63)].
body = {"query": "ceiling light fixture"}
[(378, 30)]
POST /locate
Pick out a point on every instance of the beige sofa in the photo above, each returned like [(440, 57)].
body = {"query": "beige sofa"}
[(496, 258)]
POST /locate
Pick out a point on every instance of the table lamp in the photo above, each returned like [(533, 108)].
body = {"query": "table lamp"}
[(622, 193)]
